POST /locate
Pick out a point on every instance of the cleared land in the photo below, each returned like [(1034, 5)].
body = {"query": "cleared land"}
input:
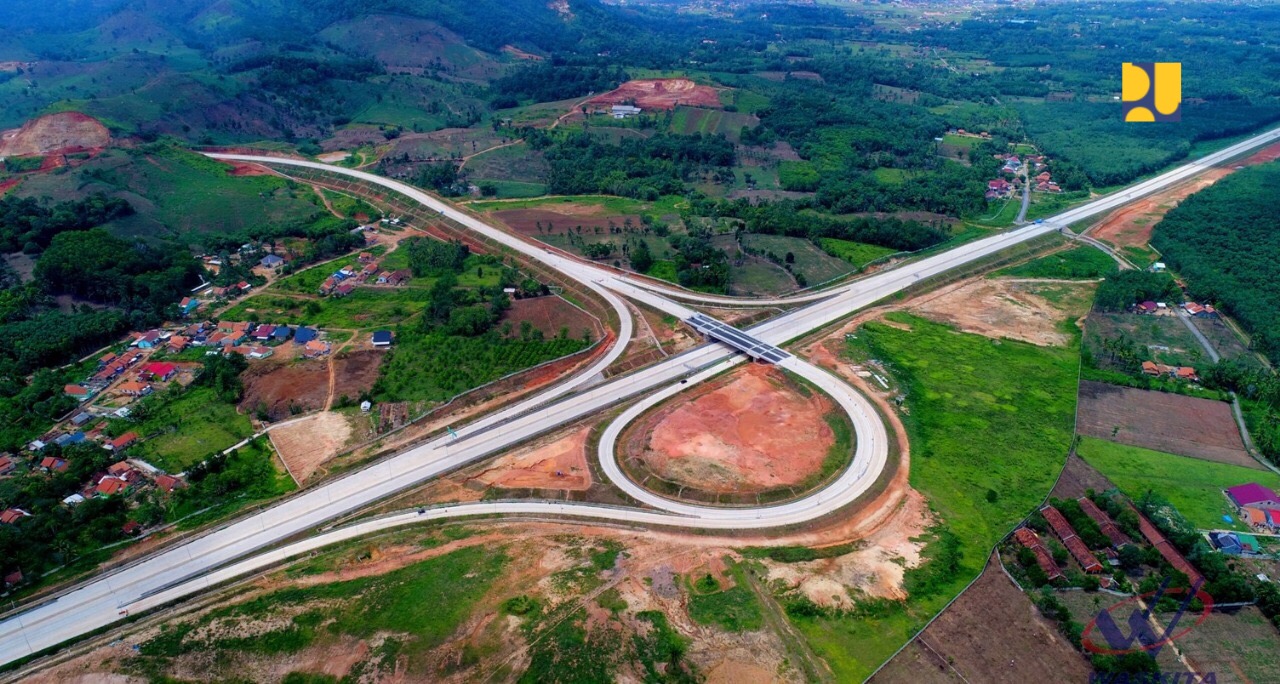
[(660, 93), (64, 132), (1029, 311), (281, 389), (752, 431), (1188, 426), (1192, 485), (550, 315), (557, 464), (993, 633), (304, 444)]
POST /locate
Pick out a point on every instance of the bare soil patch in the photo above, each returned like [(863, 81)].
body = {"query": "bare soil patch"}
[(246, 169), (992, 633), (550, 315), (59, 133), (284, 389), (1172, 423), (309, 441), (560, 463), (1001, 308), (355, 372), (659, 93), (749, 432)]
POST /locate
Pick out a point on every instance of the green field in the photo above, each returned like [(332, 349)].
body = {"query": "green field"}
[(1083, 262), (984, 416), (183, 430), (366, 307), (1194, 486), (813, 263), (857, 253), (180, 195)]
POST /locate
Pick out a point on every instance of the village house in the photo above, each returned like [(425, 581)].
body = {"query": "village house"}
[(259, 352), (1200, 311), (121, 442), (53, 463), (399, 277), (327, 286), (264, 333), (1070, 539), (1044, 559), (7, 464), (188, 305), (271, 261), (134, 388), (177, 343), (382, 338), (11, 516), (168, 483), (315, 348), (1253, 495), (77, 392), (147, 340), (365, 257), (157, 371), (304, 335), (111, 485)]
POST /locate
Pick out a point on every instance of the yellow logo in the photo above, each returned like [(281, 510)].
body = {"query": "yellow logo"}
[(1152, 91)]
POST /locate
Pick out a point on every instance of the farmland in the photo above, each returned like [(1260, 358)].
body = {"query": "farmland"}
[(1189, 426), (815, 265), (188, 427), (1194, 486), (857, 253)]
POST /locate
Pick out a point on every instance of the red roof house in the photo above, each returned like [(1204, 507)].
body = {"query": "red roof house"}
[(1104, 521), (57, 465), (1170, 554), (1070, 539), (122, 441), (109, 486), (158, 371), (12, 516), (1044, 559), (168, 483)]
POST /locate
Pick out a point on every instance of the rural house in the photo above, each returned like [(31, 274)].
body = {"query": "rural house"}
[(158, 371), (1070, 539), (77, 392), (382, 338), (1044, 559), (122, 441), (188, 304), (11, 516), (271, 261), (1253, 495)]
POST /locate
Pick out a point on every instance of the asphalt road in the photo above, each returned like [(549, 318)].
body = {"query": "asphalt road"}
[(190, 567)]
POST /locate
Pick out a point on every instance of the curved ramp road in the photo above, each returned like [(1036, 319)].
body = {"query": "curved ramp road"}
[(185, 569)]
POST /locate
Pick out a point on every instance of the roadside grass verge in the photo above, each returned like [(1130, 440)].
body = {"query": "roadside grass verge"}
[(1078, 263), (1194, 486), (990, 423)]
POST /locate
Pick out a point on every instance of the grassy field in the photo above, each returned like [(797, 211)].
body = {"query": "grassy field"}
[(857, 253), (366, 307), (1083, 262), (984, 417), (609, 203), (816, 265), (735, 609), (1194, 486), (183, 430)]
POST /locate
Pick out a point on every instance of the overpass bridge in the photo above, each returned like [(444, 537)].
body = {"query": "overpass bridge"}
[(722, 332)]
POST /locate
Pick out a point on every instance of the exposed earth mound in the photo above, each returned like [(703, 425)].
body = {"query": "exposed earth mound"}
[(659, 93), (56, 133), (749, 432)]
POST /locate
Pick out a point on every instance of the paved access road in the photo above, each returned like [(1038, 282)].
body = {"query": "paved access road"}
[(185, 569)]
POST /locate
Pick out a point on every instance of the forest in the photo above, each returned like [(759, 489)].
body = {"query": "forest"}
[(796, 218), (28, 225), (1223, 242)]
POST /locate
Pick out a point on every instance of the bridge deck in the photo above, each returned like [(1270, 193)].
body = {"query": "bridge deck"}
[(736, 338)]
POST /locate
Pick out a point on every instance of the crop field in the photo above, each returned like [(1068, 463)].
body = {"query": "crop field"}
[(689, 120), (757, 276), (512, 164), (1188, 426), (816, 265), (1194, 486), (991, 626), (1240, 646), (984, 416), (857, 253)]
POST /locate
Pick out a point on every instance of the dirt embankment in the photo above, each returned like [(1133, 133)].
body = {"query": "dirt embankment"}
[(1000, 308), (659, 93), (61, 133), (750, 432), (557, 464)]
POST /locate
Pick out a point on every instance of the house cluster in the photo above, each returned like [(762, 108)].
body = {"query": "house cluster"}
[(960, 131), (999, 188), (1166, 549), (1088, 560), (343, 281), (1043, 182), (1177, 372), (230, 291), (1257, 506)]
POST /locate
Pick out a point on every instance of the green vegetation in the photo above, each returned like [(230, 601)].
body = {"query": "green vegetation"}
[(857, 253), (809, 264), (1127, 288), (1192, 485), (421, 605), (1083, 262), (735, 609), (183, 426), (1221, 240), (985, 415)]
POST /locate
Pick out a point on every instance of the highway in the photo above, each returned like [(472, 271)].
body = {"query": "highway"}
[(185, 569)]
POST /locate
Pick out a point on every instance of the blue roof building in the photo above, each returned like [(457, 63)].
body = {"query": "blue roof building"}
[(382, 338), (304, 335), (282, 333)]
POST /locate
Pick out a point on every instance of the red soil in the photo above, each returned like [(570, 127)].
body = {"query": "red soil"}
[(61, 133), (659, 93), (244, 169), (561, 464), (6, 185), (748, 433)]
